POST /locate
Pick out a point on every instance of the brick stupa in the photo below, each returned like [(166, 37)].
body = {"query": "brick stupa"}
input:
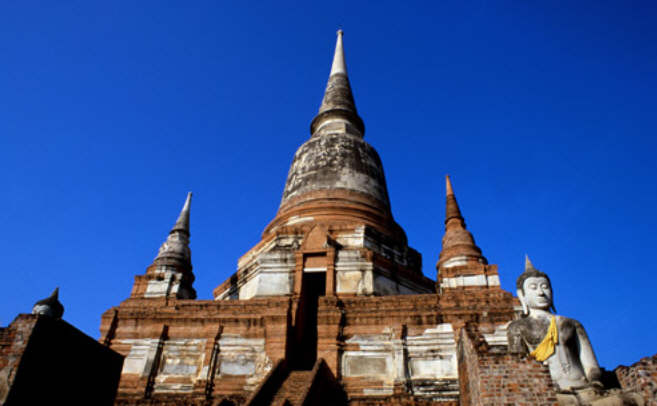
[(331, 306)]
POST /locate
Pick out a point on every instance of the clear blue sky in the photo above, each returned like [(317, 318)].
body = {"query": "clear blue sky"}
[(543, 113)]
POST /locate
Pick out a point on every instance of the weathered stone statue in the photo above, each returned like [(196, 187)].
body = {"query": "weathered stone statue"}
[(560, 342), (49, 306)]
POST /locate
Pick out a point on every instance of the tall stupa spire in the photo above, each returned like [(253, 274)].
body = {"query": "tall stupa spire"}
[(170, 274), (176, 247), (458, 244), (338, 104)]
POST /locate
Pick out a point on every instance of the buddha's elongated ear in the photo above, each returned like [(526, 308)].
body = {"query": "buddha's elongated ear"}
[(521, 296)]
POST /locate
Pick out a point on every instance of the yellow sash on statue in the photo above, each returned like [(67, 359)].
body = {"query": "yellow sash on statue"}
[(546, 348)]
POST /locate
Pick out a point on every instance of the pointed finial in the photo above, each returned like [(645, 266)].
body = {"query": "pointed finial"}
[(448, 186), (338, 102), (183, 219), (452, 210), (339, 65)]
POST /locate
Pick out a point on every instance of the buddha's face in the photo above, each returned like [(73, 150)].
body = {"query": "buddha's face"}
[(537, 293)]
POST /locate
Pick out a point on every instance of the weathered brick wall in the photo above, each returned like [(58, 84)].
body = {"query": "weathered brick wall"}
[(399, 400), (468, 361), (641, 378), (195, 350), (13, 340), (408, 341), (501, 378)]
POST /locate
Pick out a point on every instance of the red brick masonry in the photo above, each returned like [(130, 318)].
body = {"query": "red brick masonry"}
[(640, 377)]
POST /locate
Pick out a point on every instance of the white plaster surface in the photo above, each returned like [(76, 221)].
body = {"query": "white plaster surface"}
[(179, 366), (471, 280), (386, 391), (425, 363), (353, 273), (377, 357), (493, 280), (269, 273), (267, 283), (166, 285), (182, 357), (311, 269), (433, 354), (239, 365), (280, 242), (140, 356), (368, 364), (455, 261), (250, 288), (173, 387), (269, 270), (349, 282), (498, 337), (243, 356), (432, 363), (356, 239)]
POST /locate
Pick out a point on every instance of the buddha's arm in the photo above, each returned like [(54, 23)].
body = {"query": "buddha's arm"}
[(586, 355)]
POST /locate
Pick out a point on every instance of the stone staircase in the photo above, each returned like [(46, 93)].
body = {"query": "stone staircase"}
[(286, 387), (294, 389)]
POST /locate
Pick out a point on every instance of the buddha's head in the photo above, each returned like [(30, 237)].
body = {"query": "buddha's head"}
[(534, 289)]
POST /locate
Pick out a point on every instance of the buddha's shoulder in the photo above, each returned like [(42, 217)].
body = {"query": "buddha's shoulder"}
[(518, 327), (567, 321)]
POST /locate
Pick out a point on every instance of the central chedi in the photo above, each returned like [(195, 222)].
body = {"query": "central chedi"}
[(334, 232), (331, 306)]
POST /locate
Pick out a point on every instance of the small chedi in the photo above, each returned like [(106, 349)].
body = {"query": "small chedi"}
[(561, 342), (50, 306)]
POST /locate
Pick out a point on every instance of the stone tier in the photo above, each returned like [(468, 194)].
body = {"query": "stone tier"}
[(376, 347)]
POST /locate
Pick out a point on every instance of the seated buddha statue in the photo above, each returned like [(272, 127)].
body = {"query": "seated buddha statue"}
[(560, 342)]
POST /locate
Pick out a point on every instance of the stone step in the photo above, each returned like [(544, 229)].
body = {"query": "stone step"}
[(293, 388)]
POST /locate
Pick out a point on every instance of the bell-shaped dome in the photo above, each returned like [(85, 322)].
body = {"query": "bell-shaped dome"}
[(337, 160), (336, 175)]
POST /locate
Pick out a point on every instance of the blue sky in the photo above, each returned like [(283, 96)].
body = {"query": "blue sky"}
[(543, 113)]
